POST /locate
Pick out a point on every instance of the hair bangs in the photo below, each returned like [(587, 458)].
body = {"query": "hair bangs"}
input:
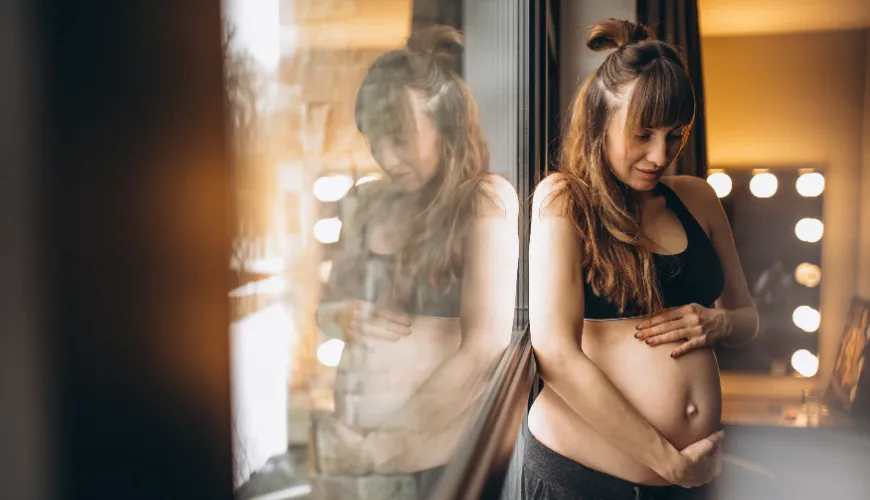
[(383, 108), (662, 97)]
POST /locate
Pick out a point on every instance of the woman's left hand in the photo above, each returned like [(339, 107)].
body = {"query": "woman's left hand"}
[(695, 325), (374, 452), (348, 449)]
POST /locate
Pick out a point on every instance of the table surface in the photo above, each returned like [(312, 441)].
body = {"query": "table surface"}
[(761, 412)]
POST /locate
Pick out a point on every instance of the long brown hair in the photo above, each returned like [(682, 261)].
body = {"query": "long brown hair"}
[(606, 212), (432, 221)]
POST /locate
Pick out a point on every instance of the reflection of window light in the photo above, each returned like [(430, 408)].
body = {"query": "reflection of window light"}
[(327, 230), (261, 265), (325, 269), (275, 284), (805, 362), (368, 178), (763, 185), (810, 184), (256, 29), (329, 352), (806, 318), (332, 187), (809, 230), (808, 274)]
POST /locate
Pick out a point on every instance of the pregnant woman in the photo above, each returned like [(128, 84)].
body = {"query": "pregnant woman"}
[(633, 278), (423, 290)]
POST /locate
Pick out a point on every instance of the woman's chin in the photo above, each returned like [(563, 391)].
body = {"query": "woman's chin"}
[(407, 186), (640, 181), (643, 185)]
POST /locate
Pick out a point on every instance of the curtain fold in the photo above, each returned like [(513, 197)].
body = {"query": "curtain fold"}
[(676, 22)]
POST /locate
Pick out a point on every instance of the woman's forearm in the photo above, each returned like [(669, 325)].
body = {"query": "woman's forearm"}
[(588, 391), (741, 326), (413, 450), (426, 428), (454, 387)]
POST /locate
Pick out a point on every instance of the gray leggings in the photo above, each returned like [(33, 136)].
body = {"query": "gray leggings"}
[(547, 475)]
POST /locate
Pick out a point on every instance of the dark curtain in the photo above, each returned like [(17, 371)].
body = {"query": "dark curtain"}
[(549, 73), (676, 21)]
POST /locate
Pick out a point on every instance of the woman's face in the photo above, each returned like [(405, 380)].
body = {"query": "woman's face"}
[(411, 157), (639, 159)]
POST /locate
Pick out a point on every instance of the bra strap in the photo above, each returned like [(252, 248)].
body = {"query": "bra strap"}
[(681, 211)]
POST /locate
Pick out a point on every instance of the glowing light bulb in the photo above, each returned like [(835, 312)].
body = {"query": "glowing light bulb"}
[(327, 230), (810, 184), (808, 274), (806, 318), (332, 187), (809, 230), (805, 363), (763, 185), (329, 352), (721, 183)]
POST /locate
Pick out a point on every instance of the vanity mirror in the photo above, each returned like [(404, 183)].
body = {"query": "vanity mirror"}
[(776, 217)]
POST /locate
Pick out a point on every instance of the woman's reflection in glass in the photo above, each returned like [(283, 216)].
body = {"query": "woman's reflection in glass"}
[(423, 293)]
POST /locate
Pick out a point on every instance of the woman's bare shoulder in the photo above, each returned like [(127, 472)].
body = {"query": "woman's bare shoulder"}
[(698, 196), (497, 196), (551, 198), (691, 189)]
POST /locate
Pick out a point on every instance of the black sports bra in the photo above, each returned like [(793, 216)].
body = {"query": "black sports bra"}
[(425, 301), (692, 276)]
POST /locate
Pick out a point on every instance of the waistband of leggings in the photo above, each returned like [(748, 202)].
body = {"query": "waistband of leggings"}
[(563, 472)]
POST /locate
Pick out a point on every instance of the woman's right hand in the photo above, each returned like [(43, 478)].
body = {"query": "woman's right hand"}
[(362, 320), (699, 463)]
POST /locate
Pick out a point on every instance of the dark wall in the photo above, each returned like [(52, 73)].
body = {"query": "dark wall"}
[(114, 355)]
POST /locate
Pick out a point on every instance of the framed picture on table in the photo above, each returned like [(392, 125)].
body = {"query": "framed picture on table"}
[(849, 380)]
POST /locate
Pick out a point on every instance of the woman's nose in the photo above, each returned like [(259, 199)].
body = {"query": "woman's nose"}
[(658, 153)]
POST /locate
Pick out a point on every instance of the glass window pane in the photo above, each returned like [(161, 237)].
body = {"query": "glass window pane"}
[(376, 240)]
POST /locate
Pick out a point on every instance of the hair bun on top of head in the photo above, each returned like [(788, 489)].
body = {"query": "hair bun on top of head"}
[(616, 33), (442, 43)]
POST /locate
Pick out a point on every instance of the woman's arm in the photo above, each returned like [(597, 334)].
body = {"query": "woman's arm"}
[(341, 313), (734, 319), (741, 325), (556, 324)]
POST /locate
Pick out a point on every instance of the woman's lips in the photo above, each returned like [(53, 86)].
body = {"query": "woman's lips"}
[(649, 174), (396, 176)]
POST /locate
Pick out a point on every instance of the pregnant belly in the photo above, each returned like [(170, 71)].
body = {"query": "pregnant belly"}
[(376, 378), (680, 397)]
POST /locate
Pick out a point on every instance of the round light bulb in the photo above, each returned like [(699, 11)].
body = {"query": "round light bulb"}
[(805, 363), (721, 183), (332, 187), (763, 185), (327, 230), (329, 352), (808, 274), (809, 229), (810, 184), (806, 318)]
